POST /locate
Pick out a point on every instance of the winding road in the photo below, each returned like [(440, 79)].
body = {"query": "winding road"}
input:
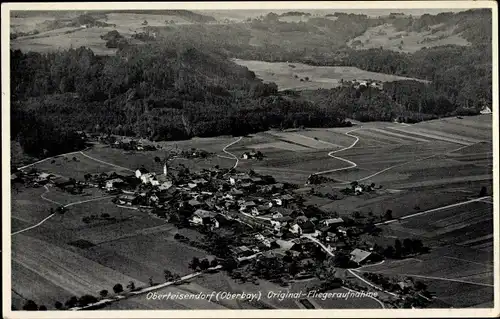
[(57, 203), (231, 155), (351, 163)]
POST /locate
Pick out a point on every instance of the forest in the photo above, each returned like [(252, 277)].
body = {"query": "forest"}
[(148, 91), (184, 84)]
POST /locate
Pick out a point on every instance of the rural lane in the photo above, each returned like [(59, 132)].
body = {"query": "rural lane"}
[(231, 154), (351, 164), (57, 203), (144, 290)]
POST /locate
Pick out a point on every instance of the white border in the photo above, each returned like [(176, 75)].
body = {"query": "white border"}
[(350, 313)]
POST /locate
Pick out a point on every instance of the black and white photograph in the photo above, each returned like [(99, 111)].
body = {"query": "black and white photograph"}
[(256, 159)]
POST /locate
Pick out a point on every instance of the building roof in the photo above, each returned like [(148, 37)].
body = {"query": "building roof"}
[(358, 255), (333, 221), (203, 213), (127, 197), (193, 202)]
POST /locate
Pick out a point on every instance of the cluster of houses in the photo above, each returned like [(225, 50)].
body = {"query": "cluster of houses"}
[(253, 155), (213, 198), (360, 84)]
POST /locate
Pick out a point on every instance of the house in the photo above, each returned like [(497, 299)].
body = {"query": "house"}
[(247, 205), (241, 251), (332, 221), (127, 199), (204, 217), (308, 227), (139, 172), (147, 177), (43, 177), (358, 189), (359, 256), (485, 110), (295, 229), (277, 202), (194, 203), (112, 183)]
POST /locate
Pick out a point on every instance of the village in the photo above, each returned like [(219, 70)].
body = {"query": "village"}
[(252, 224)]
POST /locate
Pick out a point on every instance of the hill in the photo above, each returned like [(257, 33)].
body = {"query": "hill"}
[(150, 91)]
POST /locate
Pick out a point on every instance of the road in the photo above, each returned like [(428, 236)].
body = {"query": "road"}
[(319, 243), (59, 204), (351, 164), (144, 290), (370, 284), (231, 155), (480, 199), (107, 163)]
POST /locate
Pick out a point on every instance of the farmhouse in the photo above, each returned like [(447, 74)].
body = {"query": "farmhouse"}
[(113, 183), (332, 221), (204, 217), (139, 172), (127, 199), (360, 256)]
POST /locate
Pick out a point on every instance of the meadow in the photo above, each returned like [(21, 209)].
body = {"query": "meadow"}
[(288, 76), (387, 37)]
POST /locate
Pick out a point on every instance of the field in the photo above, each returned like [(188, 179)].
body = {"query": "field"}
[(289, 78), (459, 269), (388, 37), (420, 167)]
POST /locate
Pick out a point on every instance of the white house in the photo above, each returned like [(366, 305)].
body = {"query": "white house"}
[(277, 201), (295, 229), (147, 177), (111, 183), (139, 172), (486, 110), (332, 221)]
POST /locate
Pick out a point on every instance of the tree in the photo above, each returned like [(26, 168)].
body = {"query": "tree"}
[(167, 274), (42, 308), (118, 288), (204, 264), (483, 192), (388, 214), (86, 300), (71, 302), (408, 245), (157, 159), (151, 282), (214, 263), (30, 305), (195, 263), (420, 286), (397, 248), (389, 251), (131, 286), (103, 293), (58, 305)]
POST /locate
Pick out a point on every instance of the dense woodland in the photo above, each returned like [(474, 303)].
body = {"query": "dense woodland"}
[(149, 91), (184, 84)]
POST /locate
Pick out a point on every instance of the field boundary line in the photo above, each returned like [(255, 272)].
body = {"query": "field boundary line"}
[(317, 140), (48, 158), (440, 278), (433, 210), (107, 163)]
